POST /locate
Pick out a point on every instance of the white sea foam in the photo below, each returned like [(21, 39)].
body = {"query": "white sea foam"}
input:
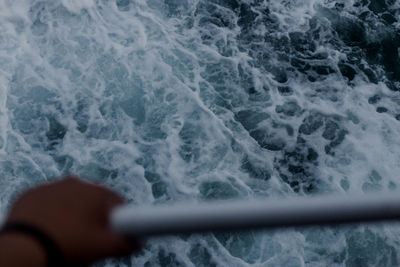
[(170, 101)]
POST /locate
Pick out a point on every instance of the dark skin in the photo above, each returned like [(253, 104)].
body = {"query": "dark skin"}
[(75, 215)]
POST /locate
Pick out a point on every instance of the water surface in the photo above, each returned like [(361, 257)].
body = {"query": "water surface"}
[(195, 100)]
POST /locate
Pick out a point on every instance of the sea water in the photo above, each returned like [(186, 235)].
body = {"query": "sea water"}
[(197, 100)]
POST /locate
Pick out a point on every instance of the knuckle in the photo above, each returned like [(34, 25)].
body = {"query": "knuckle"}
[(71, 179), (114, 197)]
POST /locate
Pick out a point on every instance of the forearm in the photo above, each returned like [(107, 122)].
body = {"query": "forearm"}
[(20, 250)]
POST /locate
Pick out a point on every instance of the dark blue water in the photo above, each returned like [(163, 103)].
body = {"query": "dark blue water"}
[(177, 100)]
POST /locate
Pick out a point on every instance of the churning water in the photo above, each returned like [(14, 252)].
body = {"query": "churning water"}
[(193, 100)]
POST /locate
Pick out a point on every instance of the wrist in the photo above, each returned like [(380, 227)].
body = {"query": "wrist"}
[(53, 255), (19, 249)]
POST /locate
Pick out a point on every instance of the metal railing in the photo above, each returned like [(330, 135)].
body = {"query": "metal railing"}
[(242, 215)]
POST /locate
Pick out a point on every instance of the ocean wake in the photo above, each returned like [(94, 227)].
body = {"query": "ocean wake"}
[(179, 100)]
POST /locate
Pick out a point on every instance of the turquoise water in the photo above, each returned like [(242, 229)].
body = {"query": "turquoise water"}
[(194, 100)]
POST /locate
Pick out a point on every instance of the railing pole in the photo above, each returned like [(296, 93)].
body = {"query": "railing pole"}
[(243, 215)]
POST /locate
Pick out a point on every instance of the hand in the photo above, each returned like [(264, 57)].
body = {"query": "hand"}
[(75, 215)]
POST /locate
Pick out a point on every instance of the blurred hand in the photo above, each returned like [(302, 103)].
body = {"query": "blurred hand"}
[(75, 215)]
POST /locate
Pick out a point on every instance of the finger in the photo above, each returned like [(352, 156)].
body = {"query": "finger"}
[(114, 199), (123, 245), (110, 244), (71, 179), (107, 201)]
